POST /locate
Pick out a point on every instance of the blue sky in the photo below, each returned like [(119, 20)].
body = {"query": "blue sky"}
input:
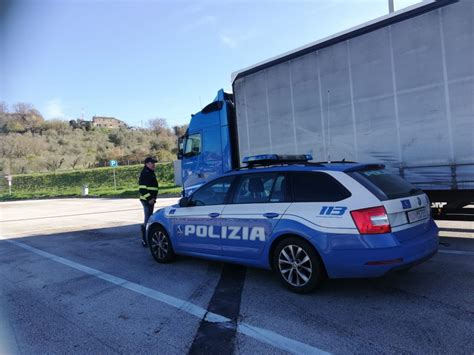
[(137, 60)]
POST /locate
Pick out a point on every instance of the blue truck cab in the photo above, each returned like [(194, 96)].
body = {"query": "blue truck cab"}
[(209, 149)]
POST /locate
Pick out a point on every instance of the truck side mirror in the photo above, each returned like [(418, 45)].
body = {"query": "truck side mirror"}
[(181, 147), (184, 202)]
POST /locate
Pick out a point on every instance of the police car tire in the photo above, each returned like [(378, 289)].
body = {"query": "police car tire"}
[(314, 263), (158, 232)]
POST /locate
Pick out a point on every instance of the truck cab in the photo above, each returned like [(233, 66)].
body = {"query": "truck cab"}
[(209, 149)]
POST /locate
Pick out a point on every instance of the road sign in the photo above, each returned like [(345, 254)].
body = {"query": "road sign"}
[(114, 164)]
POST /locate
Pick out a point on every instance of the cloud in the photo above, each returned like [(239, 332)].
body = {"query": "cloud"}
[(54, 109), (233, 41), (228, 40)]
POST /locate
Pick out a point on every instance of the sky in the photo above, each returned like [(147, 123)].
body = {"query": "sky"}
[(143, 59)]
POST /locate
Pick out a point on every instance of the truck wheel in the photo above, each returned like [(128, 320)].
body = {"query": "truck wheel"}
[(160, 245), (299, 266)]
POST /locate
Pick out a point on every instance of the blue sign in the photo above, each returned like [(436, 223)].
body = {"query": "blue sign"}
[(113, 163), (406, 204), (332, 211)]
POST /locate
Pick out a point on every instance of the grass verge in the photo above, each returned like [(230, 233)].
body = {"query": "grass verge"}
[(166, 190)]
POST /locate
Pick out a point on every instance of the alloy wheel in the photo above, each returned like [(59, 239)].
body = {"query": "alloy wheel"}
[(159, 245), (295, 265)]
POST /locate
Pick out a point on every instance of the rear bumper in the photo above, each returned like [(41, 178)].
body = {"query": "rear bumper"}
[(413, 263), (369, 261)]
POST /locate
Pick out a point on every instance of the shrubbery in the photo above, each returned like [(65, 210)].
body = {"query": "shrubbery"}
[(126, 176), (30, 144)]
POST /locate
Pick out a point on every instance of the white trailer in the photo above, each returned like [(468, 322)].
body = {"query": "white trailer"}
[(398, 90)]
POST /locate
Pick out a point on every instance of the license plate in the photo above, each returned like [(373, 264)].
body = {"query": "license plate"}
[(417, 215)]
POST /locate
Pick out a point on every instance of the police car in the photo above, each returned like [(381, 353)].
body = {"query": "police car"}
[(306, 221)]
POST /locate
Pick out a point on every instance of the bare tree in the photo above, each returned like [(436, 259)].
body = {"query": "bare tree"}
[(3, 107), (158, 125), (54, 162), (23, 108)]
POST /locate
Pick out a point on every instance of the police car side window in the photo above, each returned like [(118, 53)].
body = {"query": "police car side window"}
[(254, 188), (280, 190), (213, 193), (317, 187)]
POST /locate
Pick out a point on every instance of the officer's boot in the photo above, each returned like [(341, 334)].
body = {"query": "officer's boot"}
[(144, 243)]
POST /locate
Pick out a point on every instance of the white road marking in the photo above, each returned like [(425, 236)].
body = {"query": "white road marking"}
[(457, 252), (260, 334), (278, 341)]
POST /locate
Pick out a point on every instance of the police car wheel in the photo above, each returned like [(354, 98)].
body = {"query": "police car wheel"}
[(298, 265), (160, 245)]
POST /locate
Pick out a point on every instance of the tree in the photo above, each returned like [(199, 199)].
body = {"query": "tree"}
[(60, 146), (88, 160), (15, 126), (56, 125), (87, 125), (73, 124), (160, 145), (117, 138), (164, 156), (23, 108), (54, 162), (180, 130), (33, 121), (3, 107), (158, 125)]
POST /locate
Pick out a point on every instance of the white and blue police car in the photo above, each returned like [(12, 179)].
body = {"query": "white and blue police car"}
[(307, 221)]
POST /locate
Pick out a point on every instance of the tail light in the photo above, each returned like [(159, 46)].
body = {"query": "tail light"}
[(371, 220)]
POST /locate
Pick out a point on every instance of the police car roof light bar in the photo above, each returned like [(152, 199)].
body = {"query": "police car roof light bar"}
[(276, 159)]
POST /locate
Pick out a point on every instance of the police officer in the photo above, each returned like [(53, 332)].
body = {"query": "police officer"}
[(148, 187)]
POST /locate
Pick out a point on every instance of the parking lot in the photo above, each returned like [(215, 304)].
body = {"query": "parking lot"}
[(74, 278)]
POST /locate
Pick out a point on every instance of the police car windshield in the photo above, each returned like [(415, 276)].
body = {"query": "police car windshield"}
[(384, 185)]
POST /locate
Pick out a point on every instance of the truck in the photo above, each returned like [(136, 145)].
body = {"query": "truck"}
[(398, 91)]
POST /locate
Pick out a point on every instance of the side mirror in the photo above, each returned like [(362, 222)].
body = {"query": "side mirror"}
[(181, 147), (184, 202)]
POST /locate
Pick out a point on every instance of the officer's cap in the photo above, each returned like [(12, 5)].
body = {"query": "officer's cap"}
[(150, 160)]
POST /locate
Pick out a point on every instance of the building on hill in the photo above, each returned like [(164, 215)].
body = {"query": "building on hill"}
[(107, 122)]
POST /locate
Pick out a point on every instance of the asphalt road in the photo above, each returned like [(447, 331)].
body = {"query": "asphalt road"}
[(74, 278)]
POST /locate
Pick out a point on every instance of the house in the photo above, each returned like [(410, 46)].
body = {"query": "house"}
[(107, 122)]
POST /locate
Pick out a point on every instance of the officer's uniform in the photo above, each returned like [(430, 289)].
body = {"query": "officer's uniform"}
[(148, 187)]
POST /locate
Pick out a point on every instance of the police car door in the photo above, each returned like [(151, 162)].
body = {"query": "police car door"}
[(196, 227), (259, 201)]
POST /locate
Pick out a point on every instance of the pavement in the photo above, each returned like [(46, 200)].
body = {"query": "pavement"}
[(74, 278)]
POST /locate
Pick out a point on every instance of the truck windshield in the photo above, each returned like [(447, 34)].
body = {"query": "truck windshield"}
[(384, 185), (192, 145)]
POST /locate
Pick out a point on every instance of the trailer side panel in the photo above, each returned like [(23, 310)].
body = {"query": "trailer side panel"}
[(402, 95)]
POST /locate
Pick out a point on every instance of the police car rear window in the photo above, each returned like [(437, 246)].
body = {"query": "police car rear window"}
[(384, 185), (317, 187)]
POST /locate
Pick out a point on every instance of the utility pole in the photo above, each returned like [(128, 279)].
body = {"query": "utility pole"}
[(390, 6)]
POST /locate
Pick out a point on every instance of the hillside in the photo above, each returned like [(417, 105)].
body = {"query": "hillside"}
[(31, 144)]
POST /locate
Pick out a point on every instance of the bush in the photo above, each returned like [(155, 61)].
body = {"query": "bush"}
[(126, 176)]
